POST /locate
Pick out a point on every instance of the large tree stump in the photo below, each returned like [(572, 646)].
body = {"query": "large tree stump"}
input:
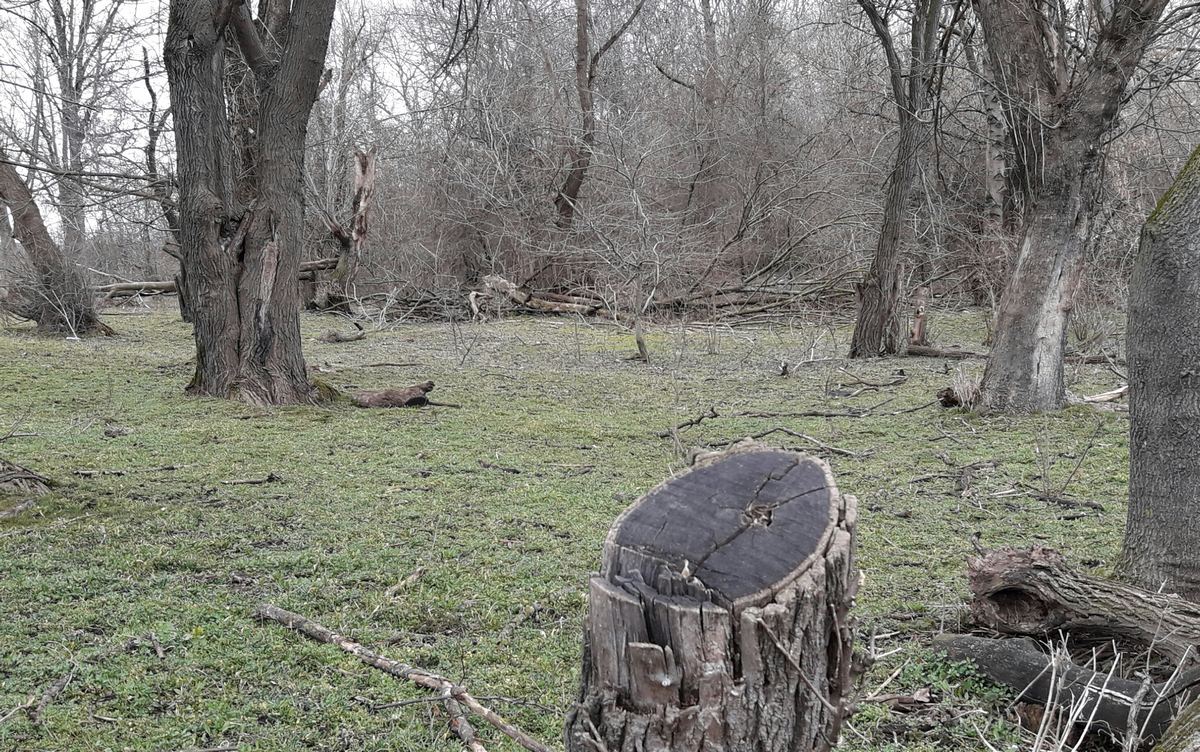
[(720, 617)]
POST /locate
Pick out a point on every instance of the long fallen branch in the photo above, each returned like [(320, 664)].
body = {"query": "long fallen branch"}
[(789, 432), (440, 684), (167, 286)]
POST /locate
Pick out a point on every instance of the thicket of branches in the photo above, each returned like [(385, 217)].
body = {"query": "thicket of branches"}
[(731, 146)]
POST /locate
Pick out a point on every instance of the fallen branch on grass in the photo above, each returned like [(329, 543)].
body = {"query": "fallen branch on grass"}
[(15, 478), (440, 684), (789, 432), (1040, 678), (1110, 396), (710, 413), (924, 351)]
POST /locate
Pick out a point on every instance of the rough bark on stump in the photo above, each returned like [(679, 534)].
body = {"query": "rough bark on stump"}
[(1034, 592), (720, 617)]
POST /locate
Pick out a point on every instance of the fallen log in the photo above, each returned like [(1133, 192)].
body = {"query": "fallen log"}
[(720, 617), (168, 286), (1101, 698), (17, 479), (1034, 592), (409, 396), (495, 285)]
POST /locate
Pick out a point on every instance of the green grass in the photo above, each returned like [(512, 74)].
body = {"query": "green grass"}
[(366, 498)]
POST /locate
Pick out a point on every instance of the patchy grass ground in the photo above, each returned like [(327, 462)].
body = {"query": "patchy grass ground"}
[(483, 511)]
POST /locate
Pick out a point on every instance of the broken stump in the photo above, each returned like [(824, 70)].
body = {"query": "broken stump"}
[(720, 617)]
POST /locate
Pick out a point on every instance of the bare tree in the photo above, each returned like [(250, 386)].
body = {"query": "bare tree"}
[(1062, 82), (587, 64), (55, 297), (879, 330), (241, 190)]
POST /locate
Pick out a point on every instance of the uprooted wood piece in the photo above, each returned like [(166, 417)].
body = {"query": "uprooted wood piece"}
[(1034, 593), (410, 396), (1106, 701)]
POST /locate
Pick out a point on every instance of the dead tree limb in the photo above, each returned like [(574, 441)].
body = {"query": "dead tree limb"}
[(1034, 592), (418, 676), (1043, 679)]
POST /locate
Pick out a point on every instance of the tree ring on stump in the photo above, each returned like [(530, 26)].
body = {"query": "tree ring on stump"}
[(744, 524), (720, 619)]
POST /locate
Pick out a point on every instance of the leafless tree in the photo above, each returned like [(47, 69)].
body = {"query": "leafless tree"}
[(241, 186)]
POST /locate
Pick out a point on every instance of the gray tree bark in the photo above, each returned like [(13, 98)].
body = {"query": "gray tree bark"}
[(1057, 121), (879, 329), (1162, 539), (241, 200), (720, 618)]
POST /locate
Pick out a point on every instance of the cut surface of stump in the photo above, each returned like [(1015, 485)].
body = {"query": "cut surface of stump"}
[(720, 617)]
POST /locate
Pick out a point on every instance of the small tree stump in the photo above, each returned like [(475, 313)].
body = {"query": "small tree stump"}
[(720, 617)]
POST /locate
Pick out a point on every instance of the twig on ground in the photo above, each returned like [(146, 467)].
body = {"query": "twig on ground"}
[(788, 432), (268, 478), (399, 670), (710, 413), (53, 691)]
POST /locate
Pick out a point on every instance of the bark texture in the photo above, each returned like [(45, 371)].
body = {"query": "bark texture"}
[(1058, 121), (1035, 593), (720, 617), (241, 198), (1106, 700), (1162, 540), (56, 297)]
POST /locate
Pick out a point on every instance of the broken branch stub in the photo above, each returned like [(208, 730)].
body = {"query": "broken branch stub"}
[(720, 618)]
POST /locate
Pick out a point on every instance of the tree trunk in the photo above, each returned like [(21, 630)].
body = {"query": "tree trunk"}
[(720, 617), (339, 289), (56, 297), (587, 64), (1058, 121), (241, 230), (878, 330), (1162, 541)]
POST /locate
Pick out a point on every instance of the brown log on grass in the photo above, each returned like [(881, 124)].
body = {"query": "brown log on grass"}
[(1105, 700), (720, 617), (1034, 592), (410, 396)]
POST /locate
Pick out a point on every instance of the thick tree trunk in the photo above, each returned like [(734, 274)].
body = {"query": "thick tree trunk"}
[(241, 235), (720, 618), (879, 330), (56, 297), (1162, 539), (1058, 121)]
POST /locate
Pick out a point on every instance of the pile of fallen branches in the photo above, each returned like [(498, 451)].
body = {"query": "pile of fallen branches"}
[(128, 288)]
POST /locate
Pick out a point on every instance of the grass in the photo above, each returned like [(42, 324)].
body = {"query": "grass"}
[(165, 552)]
